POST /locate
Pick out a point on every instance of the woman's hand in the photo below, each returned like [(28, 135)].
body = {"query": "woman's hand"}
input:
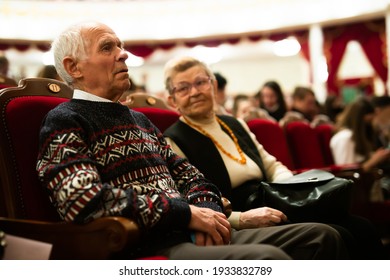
[(261, 217)]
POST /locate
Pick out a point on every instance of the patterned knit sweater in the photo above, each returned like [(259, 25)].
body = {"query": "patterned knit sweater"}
[(103, 159)]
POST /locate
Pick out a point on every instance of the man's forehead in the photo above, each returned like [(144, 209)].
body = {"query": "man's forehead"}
[(98, 36), (98, 30)]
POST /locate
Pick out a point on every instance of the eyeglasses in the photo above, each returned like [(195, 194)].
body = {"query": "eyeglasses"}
[(184, 89)]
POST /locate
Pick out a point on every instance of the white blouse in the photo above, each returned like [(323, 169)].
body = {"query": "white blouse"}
[(343, 148)]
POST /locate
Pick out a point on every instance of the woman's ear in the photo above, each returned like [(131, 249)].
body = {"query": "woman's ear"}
[(171, 101), (71, 66)]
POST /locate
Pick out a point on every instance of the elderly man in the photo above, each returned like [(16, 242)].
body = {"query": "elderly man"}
[(98, 158)]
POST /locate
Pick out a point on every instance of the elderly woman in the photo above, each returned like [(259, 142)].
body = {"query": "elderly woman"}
[(228, 154)]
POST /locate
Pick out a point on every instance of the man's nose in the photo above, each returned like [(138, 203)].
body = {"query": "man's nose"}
[(123, 55)]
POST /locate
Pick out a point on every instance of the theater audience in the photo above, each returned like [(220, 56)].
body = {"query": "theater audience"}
[(99, 158)]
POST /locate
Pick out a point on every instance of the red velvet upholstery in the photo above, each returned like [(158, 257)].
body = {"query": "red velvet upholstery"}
[(22, 111), (272, 137), (324, 134), (4, 86), (305, 148), (24, 117), (162, 118)]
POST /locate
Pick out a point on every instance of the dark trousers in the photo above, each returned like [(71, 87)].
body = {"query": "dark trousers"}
[(361, 237)]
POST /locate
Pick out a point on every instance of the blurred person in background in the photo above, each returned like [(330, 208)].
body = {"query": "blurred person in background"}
[(5, 79), (355, 137), (220, 95), (49, 71), (333, 106), (381, 123), (244, 107), (305, 107), (271, 98)]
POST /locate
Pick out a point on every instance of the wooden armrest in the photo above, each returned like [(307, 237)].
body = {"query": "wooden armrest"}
[(99, 239)]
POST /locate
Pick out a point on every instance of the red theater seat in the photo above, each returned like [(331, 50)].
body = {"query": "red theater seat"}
[(272, 137), (25, 210)]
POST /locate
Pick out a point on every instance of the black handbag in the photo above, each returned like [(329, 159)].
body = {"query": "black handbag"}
[(311, 196)]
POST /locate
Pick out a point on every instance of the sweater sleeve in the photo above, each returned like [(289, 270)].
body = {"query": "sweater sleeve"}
[(191, 183), (67, 168)]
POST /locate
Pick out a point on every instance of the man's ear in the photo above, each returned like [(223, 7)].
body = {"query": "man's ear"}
[(71, 66)]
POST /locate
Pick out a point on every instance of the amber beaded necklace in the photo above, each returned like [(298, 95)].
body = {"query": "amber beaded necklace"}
[(241, 160)]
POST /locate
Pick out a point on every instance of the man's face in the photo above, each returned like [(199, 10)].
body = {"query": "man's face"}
[(198, 103), (307, 105), (104, 71)]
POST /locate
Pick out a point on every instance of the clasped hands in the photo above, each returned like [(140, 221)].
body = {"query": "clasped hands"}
[(210, 227), (213, 228)]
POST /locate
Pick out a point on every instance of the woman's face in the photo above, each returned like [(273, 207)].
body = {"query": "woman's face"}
[(268, 97), (198, 102)]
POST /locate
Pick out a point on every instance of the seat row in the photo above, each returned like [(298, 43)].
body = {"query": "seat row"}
[(25, 208), (301, 147)]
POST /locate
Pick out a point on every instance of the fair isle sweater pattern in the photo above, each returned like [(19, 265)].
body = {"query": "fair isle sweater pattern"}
[(102, 159)]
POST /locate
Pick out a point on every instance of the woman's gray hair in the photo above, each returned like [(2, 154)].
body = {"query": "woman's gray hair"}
[(69, 43), (178, 65)]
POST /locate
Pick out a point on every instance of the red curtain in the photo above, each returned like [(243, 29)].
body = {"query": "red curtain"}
[(372, 37)]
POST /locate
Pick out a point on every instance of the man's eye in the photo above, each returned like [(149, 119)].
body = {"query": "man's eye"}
[(106, 48)]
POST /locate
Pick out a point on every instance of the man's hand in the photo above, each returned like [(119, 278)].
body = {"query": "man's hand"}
[(210, 227), (261, 217)]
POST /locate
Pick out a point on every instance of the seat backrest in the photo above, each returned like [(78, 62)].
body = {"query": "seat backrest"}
[(272, 137), (324, 134), (22, 110), (304, 145), (162, 118), (140, 99)]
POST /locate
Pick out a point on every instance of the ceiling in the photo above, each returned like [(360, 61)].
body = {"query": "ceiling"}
[(149, 21), (145, 20)]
